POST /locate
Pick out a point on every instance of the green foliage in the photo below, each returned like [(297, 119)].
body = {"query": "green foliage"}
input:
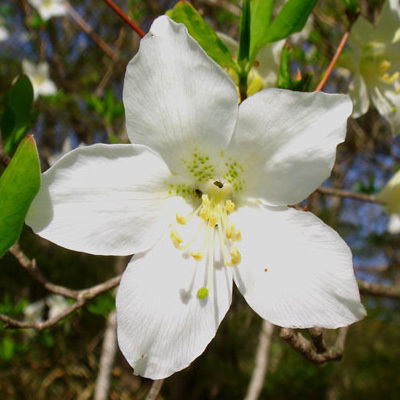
[(103, 304), (17, 116), (291, 19), (261, 12), (184, 13), (244, 32), (19, 185)]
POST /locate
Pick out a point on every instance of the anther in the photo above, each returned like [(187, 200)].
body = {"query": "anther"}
[(180, 219), (197, 255), (235, 256), (229, 206), (205, 201), (213, 219), (175, 237), (202, 293)]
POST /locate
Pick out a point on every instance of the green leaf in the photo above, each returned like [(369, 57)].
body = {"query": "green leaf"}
[(261, 12), (184, 13), (244, 32), (17, 116), (19, 185), (291, 19), (284, 79), (7, 348)]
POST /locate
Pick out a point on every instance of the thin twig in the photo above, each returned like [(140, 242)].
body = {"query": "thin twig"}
[(376, 289), (261, 362), (333, 61), (351, 195), (81, 296), (89, 30), (125, 18), (155, 389), (109, 349), (304, 346)]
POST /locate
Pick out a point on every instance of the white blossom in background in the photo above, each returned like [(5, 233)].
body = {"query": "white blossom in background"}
[(4, 34), (35, 312), (49, 8), (391, 196), (200, 197), (374, 62), (265, 71), (39, 77)]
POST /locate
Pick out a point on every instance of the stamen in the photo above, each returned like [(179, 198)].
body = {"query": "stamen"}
[(238, 235), (180, 219), (213, 219), (384, 66), (235, 256), (229, 206), (197, 255), (176, 239), (202, 293)]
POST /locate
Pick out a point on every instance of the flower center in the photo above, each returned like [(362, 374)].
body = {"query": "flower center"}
[(197, 233)]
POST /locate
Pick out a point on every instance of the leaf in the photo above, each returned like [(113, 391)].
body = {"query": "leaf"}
[(291, 19), (284, 79), (244, 32), (17, 116), (19, 185), (261, 12), (184, 13)]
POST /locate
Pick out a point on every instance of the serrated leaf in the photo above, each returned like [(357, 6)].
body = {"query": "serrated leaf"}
[(261, 12), (291, 19), (19, 185), (17, 116), (184, 13)]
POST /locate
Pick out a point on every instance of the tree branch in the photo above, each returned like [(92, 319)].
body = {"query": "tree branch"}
[(320, 354), (376, 289), (351, 195), (155, 389)]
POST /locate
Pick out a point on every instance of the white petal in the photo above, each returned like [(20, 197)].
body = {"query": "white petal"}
[(269, 59), (176, 98), (387, 102), (47, 88), (105, 199), (286, 142), (359, 95), (162, 324), (295, 270)]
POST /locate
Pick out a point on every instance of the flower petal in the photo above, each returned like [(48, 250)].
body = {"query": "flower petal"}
[(286, 142), (162, 324), (176, 98), (359, 95), (295, 270), (104, 199)]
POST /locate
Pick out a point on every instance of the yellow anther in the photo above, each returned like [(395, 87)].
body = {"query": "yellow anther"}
[(180, 219), (230, 231), (213, 219), (229, 206), (235, 256), (197, 255), (390, 78), (205, 201), (384, 66), (238, 237), (202, 293), (205, 213), (397, 90), (175, 237)]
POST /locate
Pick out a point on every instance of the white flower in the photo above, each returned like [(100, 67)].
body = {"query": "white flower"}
[(391, 194), (34, 312), (265, 71), (49, 8), (39, 77), (200, 197), (4, 35), (375, 63)]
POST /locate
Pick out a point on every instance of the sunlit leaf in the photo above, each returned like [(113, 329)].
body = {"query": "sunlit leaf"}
[(184, 13), (19, 185)]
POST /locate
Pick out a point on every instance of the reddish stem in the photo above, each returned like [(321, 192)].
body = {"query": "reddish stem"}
[(117, 10), (333, 62)]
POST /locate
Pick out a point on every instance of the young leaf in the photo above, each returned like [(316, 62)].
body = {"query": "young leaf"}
[(184, 13), (244, 32), (19, 185), (261, 12), (291, 19), (284, 79), (17, 116)]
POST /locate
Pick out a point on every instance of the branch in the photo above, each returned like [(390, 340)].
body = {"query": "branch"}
[(81, 296), (261, 362), (89, 31), (125, 18), (155, 389), (320, 354), (334, 60), (108, 352), (376, 289), (351, 195)]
